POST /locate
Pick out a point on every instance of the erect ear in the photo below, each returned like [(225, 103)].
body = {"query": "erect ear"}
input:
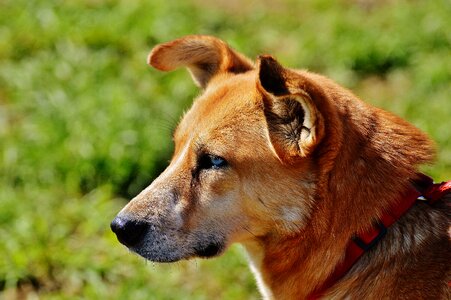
[(204, 56), (295, 124)]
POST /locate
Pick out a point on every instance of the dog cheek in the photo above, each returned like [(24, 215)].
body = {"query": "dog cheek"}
[(224, 186), (214, 186), (291, 218)]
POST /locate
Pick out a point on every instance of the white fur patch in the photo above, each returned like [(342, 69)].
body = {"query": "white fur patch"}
[(291, 214), (255, 259)]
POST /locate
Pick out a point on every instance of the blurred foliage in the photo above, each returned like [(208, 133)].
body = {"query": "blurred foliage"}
[(85, 124)]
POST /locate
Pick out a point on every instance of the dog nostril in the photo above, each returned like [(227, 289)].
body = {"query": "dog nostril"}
[(128, 231)]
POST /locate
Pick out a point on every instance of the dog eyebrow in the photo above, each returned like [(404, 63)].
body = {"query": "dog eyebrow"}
[(199, 147)]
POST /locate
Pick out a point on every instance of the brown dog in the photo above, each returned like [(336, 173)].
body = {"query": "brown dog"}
[(294, 167)]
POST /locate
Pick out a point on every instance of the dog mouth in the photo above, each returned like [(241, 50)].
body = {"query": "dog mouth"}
[(210, 250), (168, 248), (173, 255)]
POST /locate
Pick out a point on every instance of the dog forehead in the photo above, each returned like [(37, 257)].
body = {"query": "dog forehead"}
[(230, 100)]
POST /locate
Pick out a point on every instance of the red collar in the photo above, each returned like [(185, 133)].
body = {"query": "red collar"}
[(422, 189)]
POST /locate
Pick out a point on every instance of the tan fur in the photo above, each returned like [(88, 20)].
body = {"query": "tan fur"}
[(308, 166)]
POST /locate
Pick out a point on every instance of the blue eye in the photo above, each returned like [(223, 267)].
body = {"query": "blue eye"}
[(209, 161)]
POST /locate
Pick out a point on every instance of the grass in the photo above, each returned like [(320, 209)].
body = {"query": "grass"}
[(85, 124)]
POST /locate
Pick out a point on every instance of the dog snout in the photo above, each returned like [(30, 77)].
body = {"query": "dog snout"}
[(128, 231)]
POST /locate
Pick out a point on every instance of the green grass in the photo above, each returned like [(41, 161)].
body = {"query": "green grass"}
[(85, 124)]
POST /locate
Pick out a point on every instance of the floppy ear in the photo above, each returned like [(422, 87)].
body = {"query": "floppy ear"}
[(204, 56), (295, 125)]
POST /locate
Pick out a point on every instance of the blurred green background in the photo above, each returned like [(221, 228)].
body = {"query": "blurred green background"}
[(85, 124)]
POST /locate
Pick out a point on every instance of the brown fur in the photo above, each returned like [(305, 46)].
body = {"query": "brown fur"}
[(308, 166)]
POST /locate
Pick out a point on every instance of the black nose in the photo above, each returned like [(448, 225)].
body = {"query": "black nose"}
[(128, 231)]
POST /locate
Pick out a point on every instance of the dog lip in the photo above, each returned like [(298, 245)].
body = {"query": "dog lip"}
[(210, 250)]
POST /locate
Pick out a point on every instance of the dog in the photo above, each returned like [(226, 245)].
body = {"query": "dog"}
[(303, 174)]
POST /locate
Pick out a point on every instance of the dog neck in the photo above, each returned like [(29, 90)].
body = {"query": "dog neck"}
[(291, 268), (255, 251)]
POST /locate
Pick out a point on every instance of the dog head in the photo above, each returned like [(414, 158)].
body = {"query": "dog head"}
[(246, 140), (253, 151)]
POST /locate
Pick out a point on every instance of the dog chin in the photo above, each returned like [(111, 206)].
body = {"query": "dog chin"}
[(203, 251), (158, 257)]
